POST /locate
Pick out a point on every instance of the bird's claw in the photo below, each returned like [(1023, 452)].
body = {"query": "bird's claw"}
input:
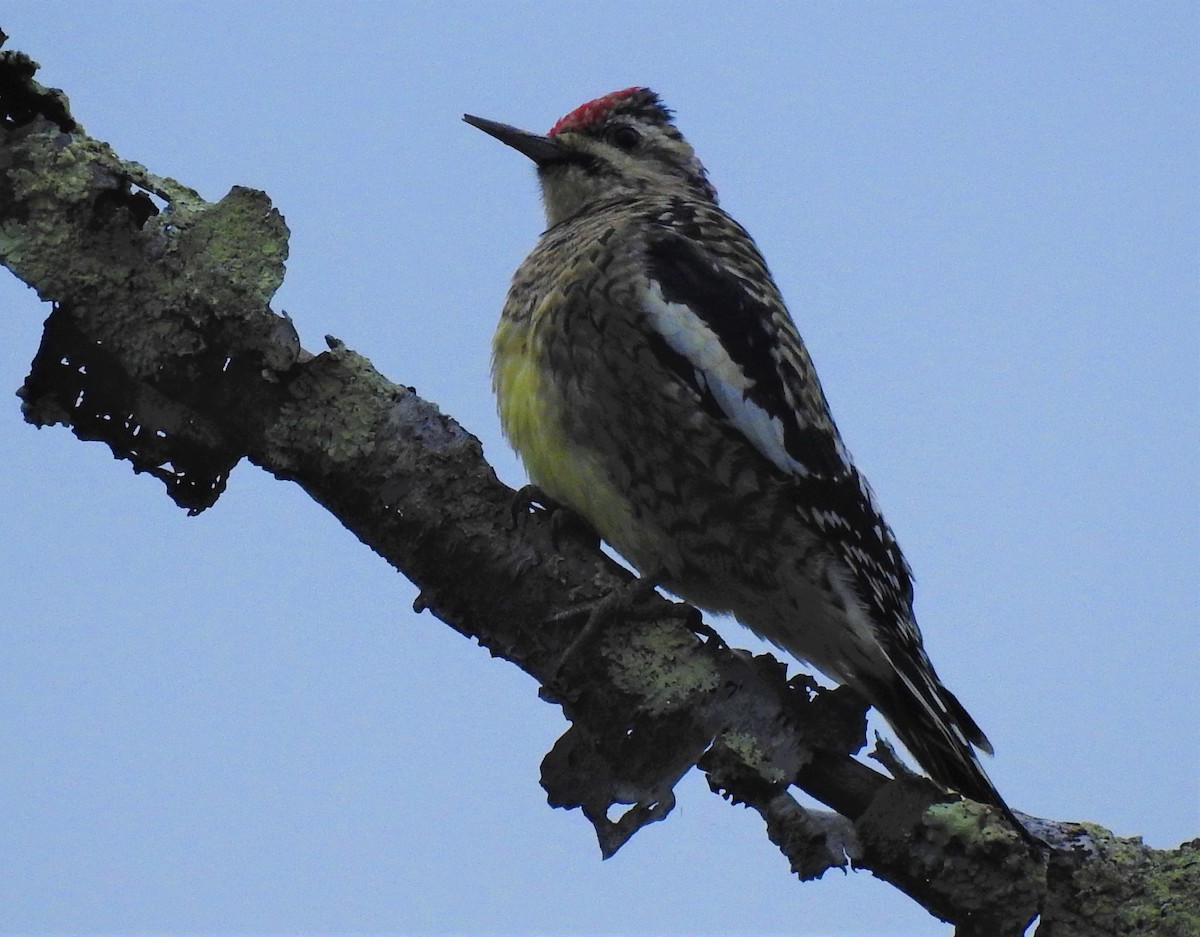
[(525, 501), (626, 600), (564, 522), (631, 600), (702, 629)]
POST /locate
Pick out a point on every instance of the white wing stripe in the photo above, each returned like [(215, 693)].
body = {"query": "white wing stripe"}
[(686, 333)]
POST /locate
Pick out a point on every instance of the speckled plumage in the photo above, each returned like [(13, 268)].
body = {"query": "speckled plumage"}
[(651, 378)]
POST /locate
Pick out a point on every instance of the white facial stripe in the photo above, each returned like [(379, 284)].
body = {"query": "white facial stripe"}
[(686, 333)]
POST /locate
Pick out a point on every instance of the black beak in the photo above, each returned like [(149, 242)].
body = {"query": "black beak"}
[(538, 148)]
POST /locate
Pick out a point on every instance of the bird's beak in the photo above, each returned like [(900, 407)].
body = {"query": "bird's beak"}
[(538, 148)]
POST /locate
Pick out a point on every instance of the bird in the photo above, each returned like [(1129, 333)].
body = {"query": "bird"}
[(652, 380)]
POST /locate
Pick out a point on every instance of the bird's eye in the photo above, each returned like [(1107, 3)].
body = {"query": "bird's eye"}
[(626, 138)]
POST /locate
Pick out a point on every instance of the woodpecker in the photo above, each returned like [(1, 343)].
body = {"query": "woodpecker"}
[(652, 380)]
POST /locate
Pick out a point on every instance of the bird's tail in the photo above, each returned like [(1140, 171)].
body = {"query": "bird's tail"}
[(941, 735)]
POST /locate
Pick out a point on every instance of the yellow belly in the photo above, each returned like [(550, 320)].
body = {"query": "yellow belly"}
[(534, 418)]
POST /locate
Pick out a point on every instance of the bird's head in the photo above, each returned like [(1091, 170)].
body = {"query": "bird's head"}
[(620, 145)]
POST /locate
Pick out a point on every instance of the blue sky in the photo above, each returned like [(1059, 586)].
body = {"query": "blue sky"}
[(985, 220)]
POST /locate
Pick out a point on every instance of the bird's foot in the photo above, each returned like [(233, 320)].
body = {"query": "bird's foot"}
[(699, 627), (565, 524), (629, 601)]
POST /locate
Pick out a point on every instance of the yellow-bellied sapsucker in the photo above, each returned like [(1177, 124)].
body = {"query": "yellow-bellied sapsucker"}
[(652, 380)]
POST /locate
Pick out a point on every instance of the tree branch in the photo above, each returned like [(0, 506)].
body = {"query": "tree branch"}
[(163, 345)]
